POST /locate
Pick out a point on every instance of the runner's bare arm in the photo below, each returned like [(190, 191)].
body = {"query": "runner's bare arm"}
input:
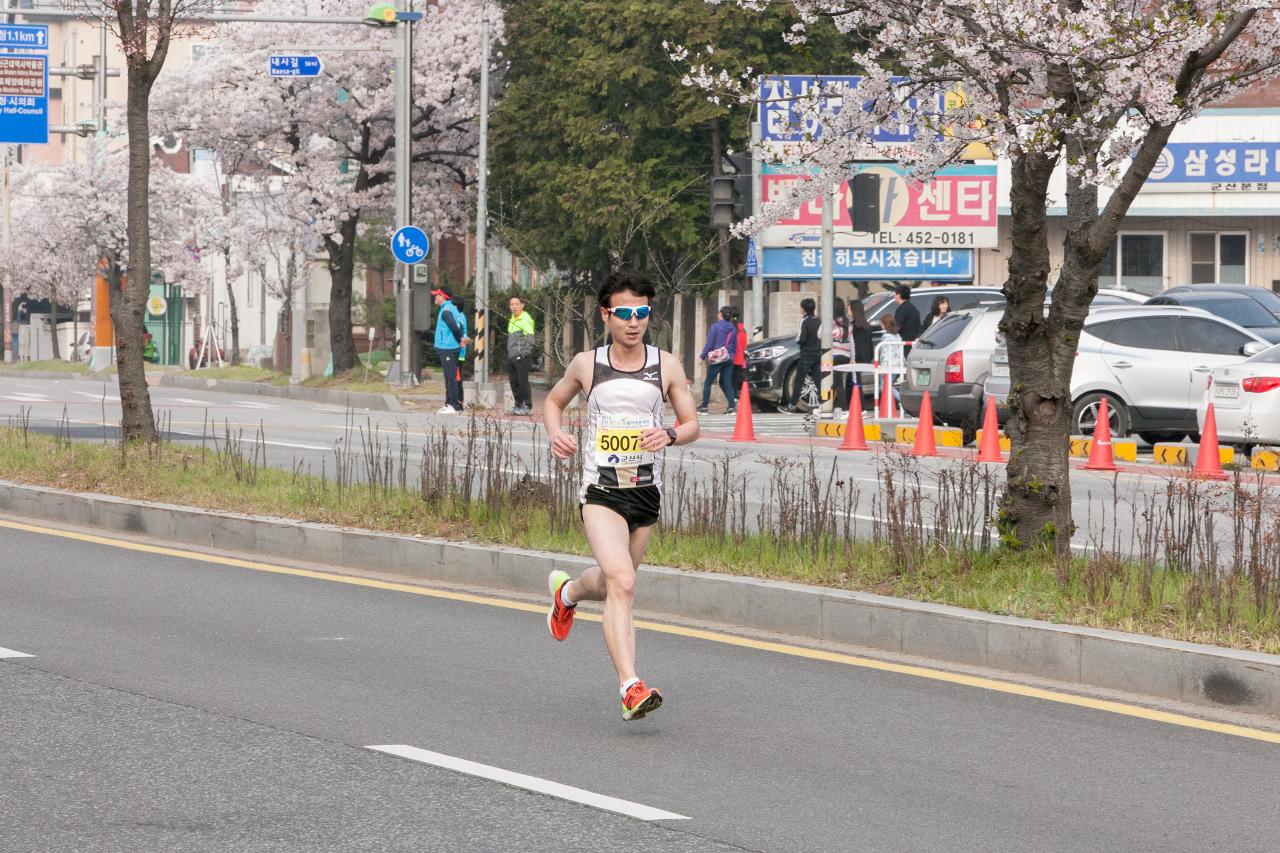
[(676, 387), (564, 445)]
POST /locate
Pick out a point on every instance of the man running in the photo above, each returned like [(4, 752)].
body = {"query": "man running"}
[(626, 383)]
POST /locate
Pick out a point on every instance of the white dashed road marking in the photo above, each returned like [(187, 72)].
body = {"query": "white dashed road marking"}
[(10, 653), (530, 783)]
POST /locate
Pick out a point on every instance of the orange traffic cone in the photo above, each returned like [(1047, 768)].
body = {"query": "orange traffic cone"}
[(886, 398), (854, 436), (925, 444), (1100, 456), (743, 429), (989, 447), (1208, 461)]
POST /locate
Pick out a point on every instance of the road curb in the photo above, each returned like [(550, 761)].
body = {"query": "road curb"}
[(1169, 669), (353, 399), (57, 374)]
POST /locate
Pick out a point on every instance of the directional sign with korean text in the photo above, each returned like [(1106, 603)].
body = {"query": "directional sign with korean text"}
[(410, 245), (956, 210), (1216, 167), (295, 65), (872, 264), (24, 36), (24, 99), (786, 119)]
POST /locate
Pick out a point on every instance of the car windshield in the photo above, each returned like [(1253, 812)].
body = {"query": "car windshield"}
[(944, 332), (1271, 356), (1242, 312)]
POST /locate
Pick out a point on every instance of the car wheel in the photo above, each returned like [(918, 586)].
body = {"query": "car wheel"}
[(1153, 437), (1084, 416)]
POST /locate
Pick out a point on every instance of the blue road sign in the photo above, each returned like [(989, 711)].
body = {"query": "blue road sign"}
[(753, 265), (24, 99), (410, 245), (295, 65), (30, 37)]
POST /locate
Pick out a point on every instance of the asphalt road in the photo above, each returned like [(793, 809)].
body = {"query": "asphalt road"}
[(174, 704), (303, 435)]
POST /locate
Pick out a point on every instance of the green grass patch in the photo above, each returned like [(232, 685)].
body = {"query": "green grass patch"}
[(53, 364), (240, 373), (1099, 593)]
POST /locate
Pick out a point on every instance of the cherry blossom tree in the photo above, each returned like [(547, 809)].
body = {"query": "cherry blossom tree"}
[(333, 135), (1094, 87), (72, 221), (145, 29)]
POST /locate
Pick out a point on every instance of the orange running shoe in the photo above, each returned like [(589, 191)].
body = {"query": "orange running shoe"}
[(639, 701), (559, 617)]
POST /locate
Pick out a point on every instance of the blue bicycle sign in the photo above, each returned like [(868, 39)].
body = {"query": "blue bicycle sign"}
[(410, 245)]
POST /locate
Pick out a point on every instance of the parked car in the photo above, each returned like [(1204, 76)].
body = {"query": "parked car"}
[(1266, 298), (1111, 296), (1150, 363), (1246, 400), (771, 363), (951, 361), (1237, 307)]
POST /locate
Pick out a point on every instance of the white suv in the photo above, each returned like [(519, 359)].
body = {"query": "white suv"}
[(1150, 362)]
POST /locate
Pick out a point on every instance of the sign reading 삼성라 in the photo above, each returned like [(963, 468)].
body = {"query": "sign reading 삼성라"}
[(1216, 167), (24, 99), (956, 210), (872, 264)]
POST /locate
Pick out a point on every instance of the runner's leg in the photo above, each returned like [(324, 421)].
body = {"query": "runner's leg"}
[(610, 543)]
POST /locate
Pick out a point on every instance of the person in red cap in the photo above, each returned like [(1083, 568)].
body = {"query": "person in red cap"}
[(451, 337)]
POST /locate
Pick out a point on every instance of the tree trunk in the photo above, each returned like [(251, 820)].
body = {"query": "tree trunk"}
[(341, 272), (138, 420), (1037, 502), (231, 300), (53, 323)]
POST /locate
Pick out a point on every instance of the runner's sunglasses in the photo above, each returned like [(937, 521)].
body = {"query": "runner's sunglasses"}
[(624, 312)]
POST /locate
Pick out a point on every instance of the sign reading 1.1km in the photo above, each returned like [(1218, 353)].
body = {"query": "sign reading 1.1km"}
[(24, 85)]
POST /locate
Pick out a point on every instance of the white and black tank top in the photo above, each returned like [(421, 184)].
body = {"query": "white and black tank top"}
[(622, 404)]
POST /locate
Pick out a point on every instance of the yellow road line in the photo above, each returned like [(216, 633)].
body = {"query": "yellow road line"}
[(691, 633)]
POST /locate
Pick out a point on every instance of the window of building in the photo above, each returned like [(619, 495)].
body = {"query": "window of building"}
[(251, 289), (1134, 262), (1218, 257)]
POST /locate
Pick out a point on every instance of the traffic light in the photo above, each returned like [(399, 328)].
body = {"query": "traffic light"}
[(724, 200), (864, 202), (731, 192)]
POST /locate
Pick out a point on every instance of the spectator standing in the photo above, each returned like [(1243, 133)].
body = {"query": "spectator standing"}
[(740, 354), (718, 352), (892, 357), (520, 346), (840, 354), (451, 338), (809, 364), (864, 351), (906, 316), (20, 316), (941, 305)]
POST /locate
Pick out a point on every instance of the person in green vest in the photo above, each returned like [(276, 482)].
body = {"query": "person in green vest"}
[(520, 347)]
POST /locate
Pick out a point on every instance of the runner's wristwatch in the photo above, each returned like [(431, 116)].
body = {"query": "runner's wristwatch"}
[(671, 434)]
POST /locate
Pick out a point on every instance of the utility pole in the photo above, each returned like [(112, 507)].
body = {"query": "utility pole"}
[(404, 190), (827, 302), (482, 207), (757, 191)]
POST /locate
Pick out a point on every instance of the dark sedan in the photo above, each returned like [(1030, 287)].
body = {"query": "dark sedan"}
[(1238, 307), (771, 363)]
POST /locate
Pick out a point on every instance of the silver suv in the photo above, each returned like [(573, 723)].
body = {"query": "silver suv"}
[(1151, 363), (951, 361)]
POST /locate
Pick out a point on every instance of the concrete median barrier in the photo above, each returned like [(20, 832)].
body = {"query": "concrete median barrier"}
[(1186, 672)]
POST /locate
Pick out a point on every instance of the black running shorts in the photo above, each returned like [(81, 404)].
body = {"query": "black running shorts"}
[(640, 506)]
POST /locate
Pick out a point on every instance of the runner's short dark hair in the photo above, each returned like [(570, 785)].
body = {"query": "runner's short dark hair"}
[(626, 280), (903, 290)]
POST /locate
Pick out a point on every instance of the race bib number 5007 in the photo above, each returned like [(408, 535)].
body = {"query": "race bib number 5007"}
[(618, 442)]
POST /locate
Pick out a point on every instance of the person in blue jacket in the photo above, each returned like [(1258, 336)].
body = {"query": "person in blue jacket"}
[(722, 343), (451, 340)]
